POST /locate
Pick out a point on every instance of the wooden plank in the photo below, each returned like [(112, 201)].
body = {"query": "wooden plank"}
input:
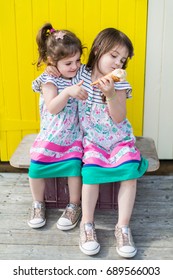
[(37, 252), (45, 237), (148, 150), (21, 157)]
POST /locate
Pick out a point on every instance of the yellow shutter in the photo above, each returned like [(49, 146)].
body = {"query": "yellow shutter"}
[(19, 24)]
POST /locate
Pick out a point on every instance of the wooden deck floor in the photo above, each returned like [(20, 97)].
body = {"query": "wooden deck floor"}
[(151, 224)]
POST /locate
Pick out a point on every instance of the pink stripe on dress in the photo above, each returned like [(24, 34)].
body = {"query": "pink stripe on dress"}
[(55, 147), (126, 158), (93, 148), (47, 159)]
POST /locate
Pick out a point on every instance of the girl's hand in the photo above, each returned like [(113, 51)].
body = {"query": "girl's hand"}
[(106, 85), (76, 91), (52, 71)]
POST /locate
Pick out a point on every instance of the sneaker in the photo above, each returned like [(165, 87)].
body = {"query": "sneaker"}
[(125, 245), (88, 243), (37, 219), (70, 217)]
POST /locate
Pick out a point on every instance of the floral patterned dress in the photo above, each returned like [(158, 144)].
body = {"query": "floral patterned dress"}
[(57, 150), (110, 154)]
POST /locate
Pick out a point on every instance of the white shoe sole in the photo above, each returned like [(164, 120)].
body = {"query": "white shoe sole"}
[(90, 253), (68, 227), (127, 255), (37, 225)]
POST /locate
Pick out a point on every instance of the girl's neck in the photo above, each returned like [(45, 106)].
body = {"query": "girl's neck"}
[(65, 78), (95, 75)]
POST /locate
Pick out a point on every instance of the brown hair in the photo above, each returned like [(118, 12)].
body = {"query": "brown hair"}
[(104, 42), (55, 46)]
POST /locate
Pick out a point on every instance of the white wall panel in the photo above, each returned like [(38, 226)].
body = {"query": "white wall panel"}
[(158, 107)]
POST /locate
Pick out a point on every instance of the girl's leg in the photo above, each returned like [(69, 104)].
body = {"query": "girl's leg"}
[(126, 199), (72, 212), (75, 188), (89, 199), (37, 187), (37, 218), (88, 240)]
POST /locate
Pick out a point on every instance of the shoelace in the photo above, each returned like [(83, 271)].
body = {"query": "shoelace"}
[(123, 238), (70, 213), (90, 235), (37, 213)]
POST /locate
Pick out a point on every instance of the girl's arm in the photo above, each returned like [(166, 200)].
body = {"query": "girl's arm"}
[(56, 103), (116, 99), (117, 105)]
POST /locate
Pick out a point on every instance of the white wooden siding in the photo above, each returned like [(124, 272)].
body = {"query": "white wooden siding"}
[(158, 107)]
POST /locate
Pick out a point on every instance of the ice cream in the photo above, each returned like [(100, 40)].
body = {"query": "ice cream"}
[(118, 75)]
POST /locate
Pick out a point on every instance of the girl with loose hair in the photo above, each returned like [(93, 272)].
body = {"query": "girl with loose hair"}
[(110, 154), (109, 151)]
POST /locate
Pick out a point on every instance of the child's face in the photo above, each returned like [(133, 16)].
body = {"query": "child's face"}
[(69, 66), (112, 60)]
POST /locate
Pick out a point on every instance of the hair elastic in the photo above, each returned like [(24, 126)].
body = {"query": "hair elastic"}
[(52, 30)]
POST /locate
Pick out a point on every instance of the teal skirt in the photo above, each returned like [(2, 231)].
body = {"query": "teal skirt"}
[(68, 168), (94, 174)]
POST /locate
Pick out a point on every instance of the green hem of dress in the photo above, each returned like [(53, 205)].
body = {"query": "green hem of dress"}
[(67, 168), (128, 171)]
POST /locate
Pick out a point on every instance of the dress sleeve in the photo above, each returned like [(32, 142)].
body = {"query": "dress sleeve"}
[(124, 85), (43, 79)]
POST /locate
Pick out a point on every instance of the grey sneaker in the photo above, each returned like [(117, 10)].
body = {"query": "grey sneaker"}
[(37, 218), (70, 217), (125, 245), (88, 243)]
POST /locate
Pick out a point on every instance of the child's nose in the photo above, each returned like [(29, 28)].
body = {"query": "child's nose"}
[(117, 62), (74, 66)]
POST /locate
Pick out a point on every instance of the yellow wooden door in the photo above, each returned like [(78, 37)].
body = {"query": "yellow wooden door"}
[(19, 24)]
